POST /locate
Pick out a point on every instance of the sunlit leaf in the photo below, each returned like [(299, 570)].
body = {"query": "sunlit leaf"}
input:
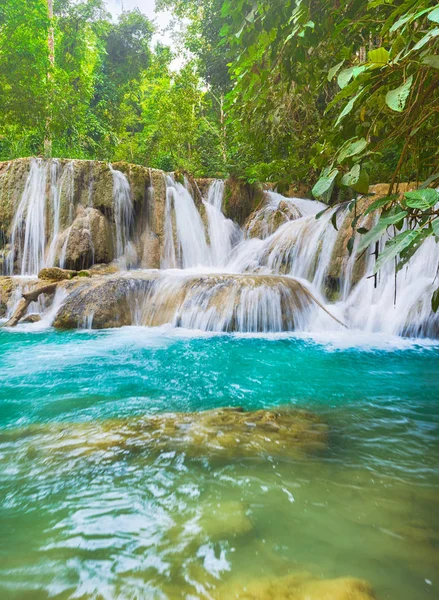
[(379, 56), (396, 99), (421, 199), (395, 246), (376, 232)]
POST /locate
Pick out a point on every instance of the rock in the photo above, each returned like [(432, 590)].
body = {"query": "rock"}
[(298, 587), (241, 199), (104, 269), (56, 274), (88, 240), (224, 520), (224, 433), (7, 286), (106, 301), (152, 299), (34, 318), (269, 217), (13, 176)]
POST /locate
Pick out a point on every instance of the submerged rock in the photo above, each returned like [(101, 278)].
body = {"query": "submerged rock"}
[(225, 519), (298, 587), (224, 433)]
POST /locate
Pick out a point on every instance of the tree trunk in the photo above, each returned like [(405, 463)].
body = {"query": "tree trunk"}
[(51, 45)]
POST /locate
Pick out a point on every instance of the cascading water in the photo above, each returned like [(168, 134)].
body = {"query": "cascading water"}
[(59, 185), (194, 244), (187, 248), (28, 238), (123, 218), (223, 233), (282, 242)]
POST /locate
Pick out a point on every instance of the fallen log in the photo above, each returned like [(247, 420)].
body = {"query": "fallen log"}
[(26, 299)]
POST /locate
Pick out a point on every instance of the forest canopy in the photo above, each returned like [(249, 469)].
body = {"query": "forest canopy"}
[(334, 95)]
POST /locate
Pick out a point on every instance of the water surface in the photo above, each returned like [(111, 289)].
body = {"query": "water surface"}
[(164, 525)]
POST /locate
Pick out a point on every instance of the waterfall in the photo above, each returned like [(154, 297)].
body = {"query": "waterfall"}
[(123, 218), (28, 236), (192, 249), (59, 185), (307, 249), (223, 233), (231, 278), (193, 244), (220, 303)]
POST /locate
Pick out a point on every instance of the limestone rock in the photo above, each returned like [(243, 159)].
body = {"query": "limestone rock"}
[(7, 286), (34, 318), (151, 299), (13, 175), (106, 301), (56, 274), (88, 240), (241, 200), (219, 434), (298, 587), (226, 519), (268, 218)]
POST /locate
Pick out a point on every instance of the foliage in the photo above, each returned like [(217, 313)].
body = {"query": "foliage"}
[(107, 94)]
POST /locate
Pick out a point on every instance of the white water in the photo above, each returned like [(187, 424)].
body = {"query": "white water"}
[(59, 184), (28, 238), (123, 218), (222, 303), (199, 239)]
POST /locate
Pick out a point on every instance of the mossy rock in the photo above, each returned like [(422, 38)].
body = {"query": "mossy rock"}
[(56, 274), (221, 434), (241, 199), (298, 587)]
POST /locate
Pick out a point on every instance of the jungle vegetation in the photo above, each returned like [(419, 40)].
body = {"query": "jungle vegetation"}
[(336, 95)]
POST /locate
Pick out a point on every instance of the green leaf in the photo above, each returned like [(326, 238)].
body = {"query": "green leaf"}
[(432, 60), (332, 72), (324, 184), (357, 179), (427, 182), (435, 301), (427, 37), (401, 22), (376, 232), (435, 227), (322, 212), (395, 246), (434, 15), (380, 203), (406, 254), (334, 221), (421, 199), (396, 99), (350, 245), (349, 106), (352, 149), (352, 177), (379, 56), (345, 76), (362, 184)]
